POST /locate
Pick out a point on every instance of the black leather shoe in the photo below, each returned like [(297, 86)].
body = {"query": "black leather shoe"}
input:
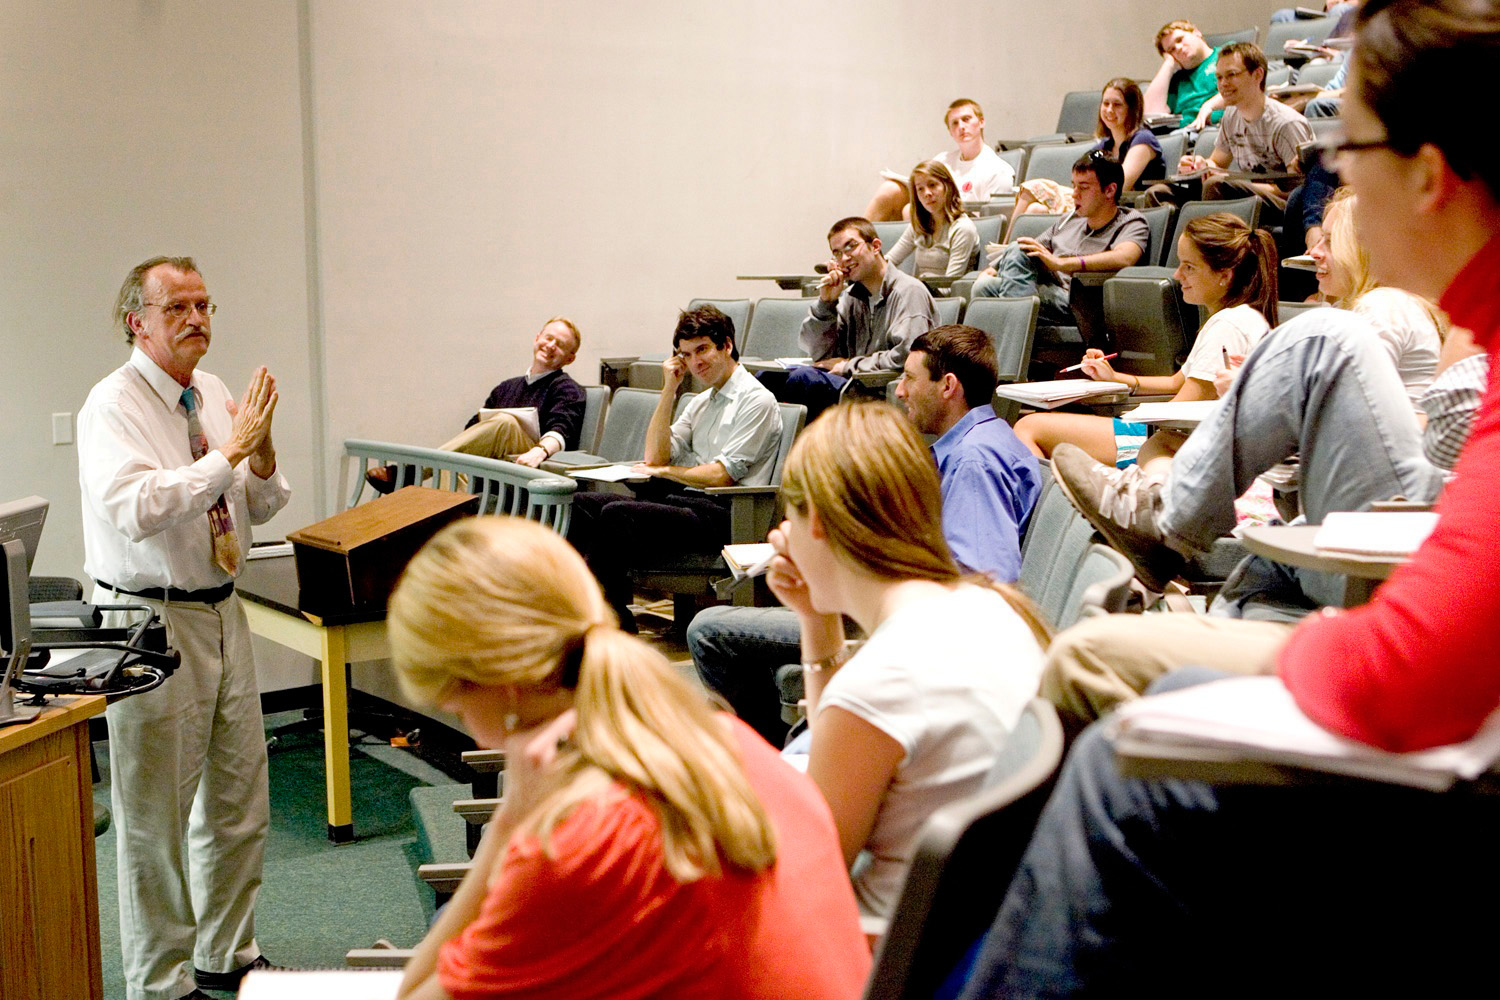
[(229, 982), (382, 478)]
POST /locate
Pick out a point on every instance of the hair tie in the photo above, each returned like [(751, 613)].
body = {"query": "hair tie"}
[(572, 658)]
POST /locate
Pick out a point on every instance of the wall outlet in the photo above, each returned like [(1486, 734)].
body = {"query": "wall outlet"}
[(62, 428)]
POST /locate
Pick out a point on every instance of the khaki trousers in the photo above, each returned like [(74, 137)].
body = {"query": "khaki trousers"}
[(499, 437), (1100, 662), (191, 808)]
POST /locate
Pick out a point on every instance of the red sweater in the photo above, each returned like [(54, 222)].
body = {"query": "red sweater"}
[(603, 918), (1418, 666)]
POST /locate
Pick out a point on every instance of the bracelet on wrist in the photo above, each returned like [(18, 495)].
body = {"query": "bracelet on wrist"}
[(829, 663), (1083, 265)]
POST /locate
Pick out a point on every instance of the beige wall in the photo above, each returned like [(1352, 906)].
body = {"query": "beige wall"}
[(481, 168), (128, 130), (398, 193)]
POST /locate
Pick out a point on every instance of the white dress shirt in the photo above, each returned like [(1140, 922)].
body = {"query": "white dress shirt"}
[(145, 500), (737, 425)]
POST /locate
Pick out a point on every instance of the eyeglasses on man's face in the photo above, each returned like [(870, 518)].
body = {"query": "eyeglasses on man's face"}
[(1335, 146), (182, 310)]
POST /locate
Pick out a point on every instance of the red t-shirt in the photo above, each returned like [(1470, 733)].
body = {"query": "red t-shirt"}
[(604, 918), (1417, 667)]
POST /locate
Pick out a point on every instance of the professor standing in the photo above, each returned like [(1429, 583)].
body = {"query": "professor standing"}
[(174, 473)]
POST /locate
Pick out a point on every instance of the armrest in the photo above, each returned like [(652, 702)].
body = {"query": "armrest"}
[(484, 761), (476, 812), (1389, 506), (565, 460), (378, 958), (740, 491), (444, 878), (1091, 279), (874, 380)]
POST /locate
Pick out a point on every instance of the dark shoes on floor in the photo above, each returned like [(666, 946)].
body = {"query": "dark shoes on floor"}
[(227, 982), (1122, 505)]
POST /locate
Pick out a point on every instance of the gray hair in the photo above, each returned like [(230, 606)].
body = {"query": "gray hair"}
[(132, 296)]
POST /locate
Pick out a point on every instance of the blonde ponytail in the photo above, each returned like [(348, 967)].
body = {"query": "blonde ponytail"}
[(504, 602)]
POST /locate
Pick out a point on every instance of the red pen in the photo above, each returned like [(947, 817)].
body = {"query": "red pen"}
[(1074, 368)]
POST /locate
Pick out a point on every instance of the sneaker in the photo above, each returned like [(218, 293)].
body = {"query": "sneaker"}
[(229, 982), (1122, 504)]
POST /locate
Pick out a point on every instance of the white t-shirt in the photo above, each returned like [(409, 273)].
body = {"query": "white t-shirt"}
[(947, 678), (1409, 334), (1236, 330), (980, 177)]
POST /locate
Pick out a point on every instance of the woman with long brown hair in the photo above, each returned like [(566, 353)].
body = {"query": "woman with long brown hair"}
[(940, 234), (1230, 270), (916, 716)]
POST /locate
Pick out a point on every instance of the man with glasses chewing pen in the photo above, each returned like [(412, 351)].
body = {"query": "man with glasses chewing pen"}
[(865, 318)]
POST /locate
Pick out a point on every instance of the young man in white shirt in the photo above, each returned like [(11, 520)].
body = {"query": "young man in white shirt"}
[(976, 168), (726, 436)]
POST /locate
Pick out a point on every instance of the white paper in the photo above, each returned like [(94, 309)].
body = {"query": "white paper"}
[(270, 550), (1258, 717), (794, 362), (1185, 414), (1375, 533), (528, 417), (333, 984), (749, 558), (620, 473), (1050, 395)]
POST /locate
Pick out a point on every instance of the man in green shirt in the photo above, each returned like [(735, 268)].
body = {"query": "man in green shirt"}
[(1184, 84)]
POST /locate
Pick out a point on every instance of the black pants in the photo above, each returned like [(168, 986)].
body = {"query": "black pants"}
[(658, 523)]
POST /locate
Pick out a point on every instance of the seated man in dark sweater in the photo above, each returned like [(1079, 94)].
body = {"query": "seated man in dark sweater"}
[(557, 399)]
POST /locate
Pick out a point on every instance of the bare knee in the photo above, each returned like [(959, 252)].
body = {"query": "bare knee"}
[(1027, 429), (890, 198)]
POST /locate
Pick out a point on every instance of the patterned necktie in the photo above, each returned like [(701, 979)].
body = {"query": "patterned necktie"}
[(221, 526)]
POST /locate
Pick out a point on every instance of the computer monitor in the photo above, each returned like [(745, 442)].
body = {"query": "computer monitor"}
[(20, 531)]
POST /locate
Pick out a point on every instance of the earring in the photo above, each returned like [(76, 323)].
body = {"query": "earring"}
[(511, 721)]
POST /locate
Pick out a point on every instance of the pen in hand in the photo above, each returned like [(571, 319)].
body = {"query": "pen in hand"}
[(1074, 368)]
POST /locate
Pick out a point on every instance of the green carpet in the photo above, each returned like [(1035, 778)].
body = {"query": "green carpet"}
[(319, 899)]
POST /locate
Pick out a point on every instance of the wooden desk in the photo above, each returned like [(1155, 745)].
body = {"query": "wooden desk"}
[(1293, 546), (274, 608), (49, 892)]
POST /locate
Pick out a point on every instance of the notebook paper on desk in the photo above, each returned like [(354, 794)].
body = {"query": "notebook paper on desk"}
[(1257, 719), (1371, 533), (335, 984), (1186, 414), (1051, 395), (749, 558), (620, 473)]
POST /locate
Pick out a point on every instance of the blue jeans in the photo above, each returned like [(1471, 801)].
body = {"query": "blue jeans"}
[(737, 652), (1324, 107), (1017, 274), (1321, 386), (1176, 888), (812, 387)]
